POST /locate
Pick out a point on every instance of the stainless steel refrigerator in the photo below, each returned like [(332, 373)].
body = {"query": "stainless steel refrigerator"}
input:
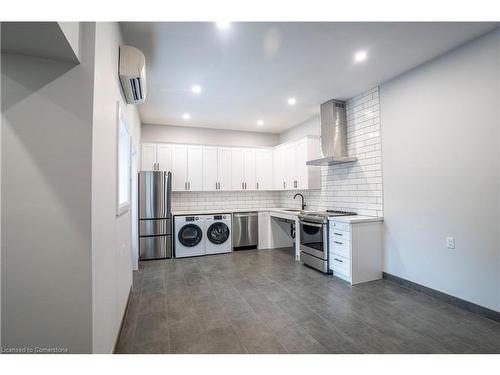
[(155, 219)]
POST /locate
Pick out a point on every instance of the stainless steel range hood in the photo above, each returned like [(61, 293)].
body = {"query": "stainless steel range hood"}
[(333, 134)]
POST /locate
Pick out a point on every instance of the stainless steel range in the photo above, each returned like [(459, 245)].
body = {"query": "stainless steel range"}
[(314, 237)]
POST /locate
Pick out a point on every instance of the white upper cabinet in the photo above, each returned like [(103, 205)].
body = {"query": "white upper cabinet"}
[(264, 169), (279, 168), (213, 168), (156, 157), (164, 157), (249, 169), (290, 166), (179, 168), (237, 166), (216, 168), (148, 157), (224, 168), (195, 168), (290, 169), (308, 176), (210, 168)]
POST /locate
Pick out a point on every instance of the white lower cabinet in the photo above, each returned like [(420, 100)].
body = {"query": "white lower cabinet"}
[(355, 251)]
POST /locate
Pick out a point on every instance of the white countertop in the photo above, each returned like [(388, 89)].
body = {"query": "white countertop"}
[(354, 219), (232, 210), (280, 210)]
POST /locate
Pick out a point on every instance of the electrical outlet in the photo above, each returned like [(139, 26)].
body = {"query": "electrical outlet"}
[(450, 242)]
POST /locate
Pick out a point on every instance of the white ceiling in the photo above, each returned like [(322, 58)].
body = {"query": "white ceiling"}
[(248, 71)]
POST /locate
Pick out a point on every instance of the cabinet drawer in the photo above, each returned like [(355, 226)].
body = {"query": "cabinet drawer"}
[(339, 234), (340, 265), (340, 226), (340, 247)]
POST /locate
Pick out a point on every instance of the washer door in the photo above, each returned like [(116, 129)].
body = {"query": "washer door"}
[(190, 235), (218, 233)]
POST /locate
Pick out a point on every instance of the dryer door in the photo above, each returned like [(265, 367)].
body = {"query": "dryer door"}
[(190, 235), (218, 233)]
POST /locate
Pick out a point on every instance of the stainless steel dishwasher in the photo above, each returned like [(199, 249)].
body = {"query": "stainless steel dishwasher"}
[(245, 230)]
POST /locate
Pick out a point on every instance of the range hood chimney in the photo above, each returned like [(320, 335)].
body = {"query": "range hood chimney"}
[(333, 120)]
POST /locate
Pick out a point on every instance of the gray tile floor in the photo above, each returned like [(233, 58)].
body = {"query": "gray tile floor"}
[(264, 302)]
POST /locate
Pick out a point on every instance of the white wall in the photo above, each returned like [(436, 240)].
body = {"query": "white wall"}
[(111, 235), (309, 127), (185, 134), (440, 131), (71, 31), (355, 186), (46, 220)]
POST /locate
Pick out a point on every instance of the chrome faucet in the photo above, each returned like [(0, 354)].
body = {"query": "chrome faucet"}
[(303, 204)]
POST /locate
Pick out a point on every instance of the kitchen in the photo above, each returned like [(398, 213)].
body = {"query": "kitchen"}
[(251, 187), (196, 169)]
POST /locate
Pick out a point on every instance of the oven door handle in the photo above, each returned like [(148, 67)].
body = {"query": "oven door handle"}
[(317, 225)]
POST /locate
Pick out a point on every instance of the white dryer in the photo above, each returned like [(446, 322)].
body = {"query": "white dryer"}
[(218, 234), (189, 234)]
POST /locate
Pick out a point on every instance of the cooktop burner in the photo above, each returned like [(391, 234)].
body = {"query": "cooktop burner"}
[(340, 213), (322, 216)]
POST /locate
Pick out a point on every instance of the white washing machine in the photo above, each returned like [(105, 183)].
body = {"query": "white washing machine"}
[(189, 234), (218, 234)]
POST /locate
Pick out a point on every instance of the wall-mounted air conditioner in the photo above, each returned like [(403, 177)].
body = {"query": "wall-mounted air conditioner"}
[(132, 72)]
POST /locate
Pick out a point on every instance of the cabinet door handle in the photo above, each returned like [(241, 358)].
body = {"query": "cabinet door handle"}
[(338, 243), (245, 185), (284, 186), (257, 186), (337, 234), (242, 186), (189, 185), (338, 260)]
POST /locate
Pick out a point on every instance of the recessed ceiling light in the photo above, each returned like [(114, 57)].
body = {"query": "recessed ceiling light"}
[(292, 101), (186, 116), (360, 56), (260, 123), (223, 25), (196, 89)]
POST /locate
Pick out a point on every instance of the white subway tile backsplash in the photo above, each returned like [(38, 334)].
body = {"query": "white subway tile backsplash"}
[(353, 186), (224, 200)]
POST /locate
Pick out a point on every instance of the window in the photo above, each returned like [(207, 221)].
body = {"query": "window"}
[(123, 167)]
